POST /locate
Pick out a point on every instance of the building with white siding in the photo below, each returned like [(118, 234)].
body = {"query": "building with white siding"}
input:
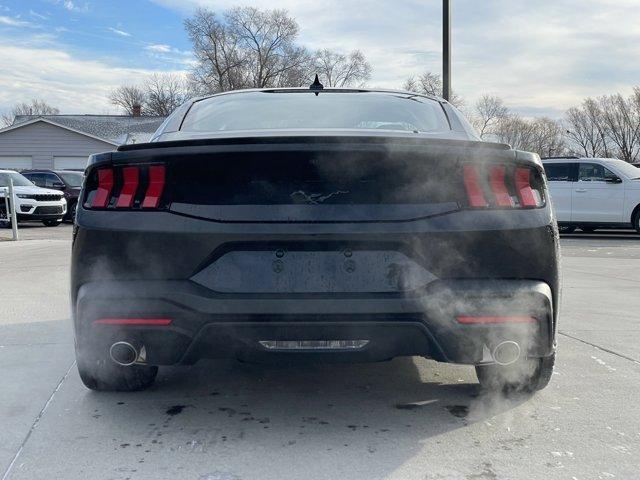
[(65, 141)]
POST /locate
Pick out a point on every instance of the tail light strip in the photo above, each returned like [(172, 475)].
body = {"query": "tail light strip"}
[(105, 185), (131, 177), (156, 186), (158, 322), (130, 186), (508, 188), (474, 189)]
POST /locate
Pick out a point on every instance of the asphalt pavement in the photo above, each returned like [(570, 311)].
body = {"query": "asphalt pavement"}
[(405, 419)]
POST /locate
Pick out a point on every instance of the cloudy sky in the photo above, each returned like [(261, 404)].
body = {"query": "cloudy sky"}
[(541, 56)]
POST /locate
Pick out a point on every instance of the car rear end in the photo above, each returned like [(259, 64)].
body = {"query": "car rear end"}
[(352, 248)]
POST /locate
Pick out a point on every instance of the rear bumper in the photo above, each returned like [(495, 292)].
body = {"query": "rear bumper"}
[(207, 324)]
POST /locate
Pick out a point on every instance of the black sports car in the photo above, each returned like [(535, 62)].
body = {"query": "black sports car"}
[(295, 224)]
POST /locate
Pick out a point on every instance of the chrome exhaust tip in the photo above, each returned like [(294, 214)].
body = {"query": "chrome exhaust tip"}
[(506, 353), (123, 353)]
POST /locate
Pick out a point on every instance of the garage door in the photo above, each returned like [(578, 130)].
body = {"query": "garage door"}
[(17, 163), (69, 163)]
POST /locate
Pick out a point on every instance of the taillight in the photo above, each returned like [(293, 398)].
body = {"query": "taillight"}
[(502, 186), (105, 185), (127, 187), (473, 186), (156, 187)]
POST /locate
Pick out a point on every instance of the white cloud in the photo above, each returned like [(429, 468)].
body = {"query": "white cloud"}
[(37, 15), (159, 48), (13, 22), (71, 84), (117, 31)]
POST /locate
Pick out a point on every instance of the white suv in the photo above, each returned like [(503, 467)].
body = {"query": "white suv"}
[(590, 193), (33, 203)]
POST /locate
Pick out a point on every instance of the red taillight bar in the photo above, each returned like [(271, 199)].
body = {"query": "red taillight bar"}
[(160, 322), (468, 320), (498, 186), (523, 186), (155, 188), (105, 185), (474, 189), (130, 177)]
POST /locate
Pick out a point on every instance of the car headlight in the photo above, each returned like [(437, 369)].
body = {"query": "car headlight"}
[(23, 195)]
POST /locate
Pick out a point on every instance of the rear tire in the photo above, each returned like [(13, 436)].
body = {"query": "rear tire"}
[(51, 223), (524, 376), (102, 374), (636, 222)]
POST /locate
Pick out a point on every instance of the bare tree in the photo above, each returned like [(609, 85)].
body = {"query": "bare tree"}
[(127, 97), (542, 135), (430, 84), (338, 70), (489, 111), (621, 118), (164, 93), (247, 48), (586, 131), (36, 107)]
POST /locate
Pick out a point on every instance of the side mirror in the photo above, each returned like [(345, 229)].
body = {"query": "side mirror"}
[(613, 180)]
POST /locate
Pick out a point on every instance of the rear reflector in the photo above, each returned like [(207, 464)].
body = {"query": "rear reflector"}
[(160, 322), (499, 187), (313, 344), (156, 186), (466, 320), (130, 178), (474, 189), (105, 185)]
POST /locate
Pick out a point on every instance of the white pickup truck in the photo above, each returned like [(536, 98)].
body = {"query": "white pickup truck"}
[(591, 193)]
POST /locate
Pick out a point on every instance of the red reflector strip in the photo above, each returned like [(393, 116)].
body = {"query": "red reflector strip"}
[(156, 187), (498, 187), (474, 189), (161, 322), (105, 185), (523, 186), (494, 320), (130, 176)]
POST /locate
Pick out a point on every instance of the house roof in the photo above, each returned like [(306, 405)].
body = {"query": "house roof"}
[(114, 129)]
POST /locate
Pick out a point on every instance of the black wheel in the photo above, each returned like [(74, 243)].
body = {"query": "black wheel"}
[(103, 374), (588, 229), (566, 228), (636, 222), (524, 376), (51, 223), (71, 214)]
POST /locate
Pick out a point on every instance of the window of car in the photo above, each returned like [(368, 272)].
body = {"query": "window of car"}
[(36, 177), (594, 172), (559, 172), (306, 110), (51, 179), (73, 179)]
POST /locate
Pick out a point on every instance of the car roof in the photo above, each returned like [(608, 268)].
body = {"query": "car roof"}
[(322, 91), (579, 159)]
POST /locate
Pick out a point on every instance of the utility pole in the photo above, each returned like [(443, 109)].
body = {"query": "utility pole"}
[(446, 49)]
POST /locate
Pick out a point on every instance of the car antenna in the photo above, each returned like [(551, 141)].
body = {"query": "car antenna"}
[(316, 86)]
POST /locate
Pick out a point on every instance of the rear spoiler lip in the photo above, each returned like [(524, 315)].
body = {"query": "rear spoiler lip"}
[(314, 139)]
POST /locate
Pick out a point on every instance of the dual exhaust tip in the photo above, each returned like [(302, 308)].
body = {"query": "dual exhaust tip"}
[(125, 354)]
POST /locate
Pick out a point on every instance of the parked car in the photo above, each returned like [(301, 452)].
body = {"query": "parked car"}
[(296, 224), (68, 182), (592, 193), (33, 203)]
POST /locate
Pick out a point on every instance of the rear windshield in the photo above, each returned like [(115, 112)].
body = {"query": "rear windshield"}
[(305, 110)]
